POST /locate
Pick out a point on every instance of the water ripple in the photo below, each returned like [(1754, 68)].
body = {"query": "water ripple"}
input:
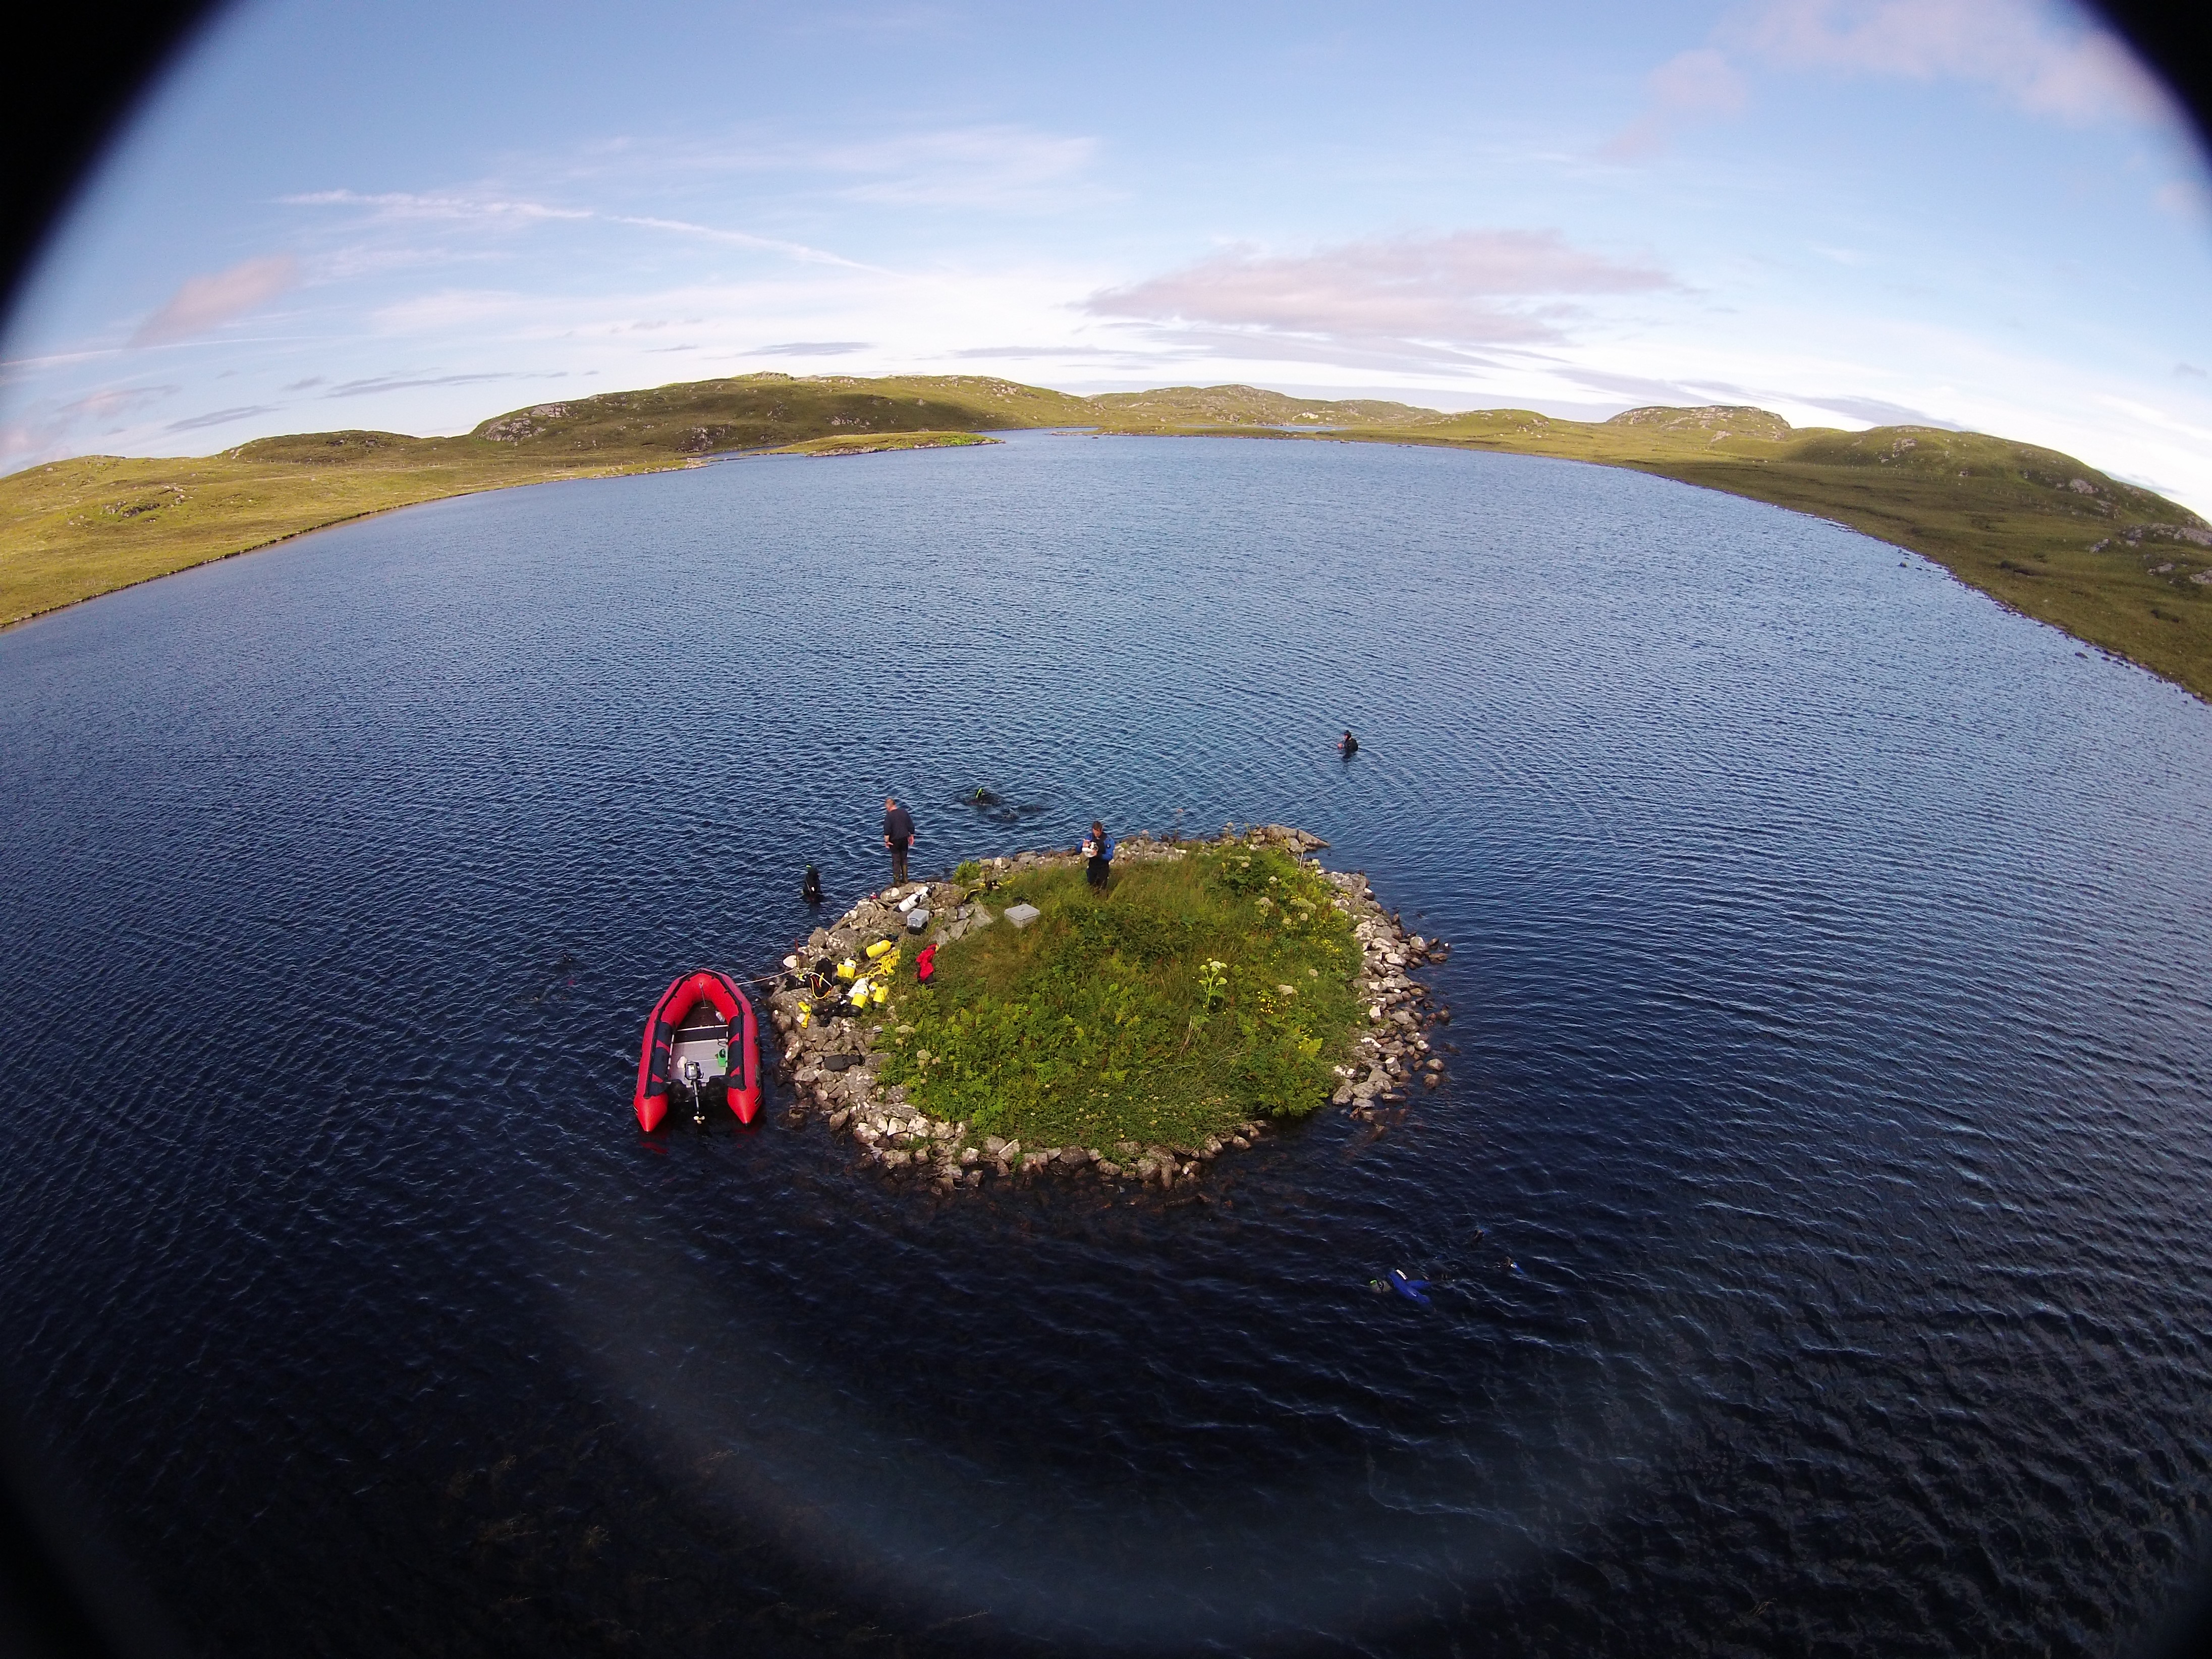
[(1815, 1203)]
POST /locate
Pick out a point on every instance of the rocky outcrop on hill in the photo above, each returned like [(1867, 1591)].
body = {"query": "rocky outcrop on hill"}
[(1723, 420)]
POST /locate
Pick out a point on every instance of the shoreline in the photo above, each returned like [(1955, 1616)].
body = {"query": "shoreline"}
[(831, 1055), (2110, 565)]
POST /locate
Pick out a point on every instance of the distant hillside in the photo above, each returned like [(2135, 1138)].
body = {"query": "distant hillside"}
[(1246, 405), (702, 417), (2113, 564), (1724, 418), (74, 529)]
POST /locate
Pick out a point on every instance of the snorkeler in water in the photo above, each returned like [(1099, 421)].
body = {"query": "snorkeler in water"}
[(1411, 1289)]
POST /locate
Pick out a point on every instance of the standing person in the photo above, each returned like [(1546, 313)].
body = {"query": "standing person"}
[(898, 835), (1098, 852)]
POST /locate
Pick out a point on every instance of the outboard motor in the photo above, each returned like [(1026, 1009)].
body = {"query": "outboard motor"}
[(700, 1037)]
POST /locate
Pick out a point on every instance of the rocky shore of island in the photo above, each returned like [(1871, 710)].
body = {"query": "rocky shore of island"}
[(829, 1030)]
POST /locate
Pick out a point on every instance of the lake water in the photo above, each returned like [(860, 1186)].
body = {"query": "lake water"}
[(1832, 1054)]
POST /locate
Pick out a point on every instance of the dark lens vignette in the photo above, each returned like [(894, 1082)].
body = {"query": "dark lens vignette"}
[(62, 1594)]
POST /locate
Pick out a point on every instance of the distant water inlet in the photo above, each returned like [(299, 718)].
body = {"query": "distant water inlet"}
[(1811, 1223)]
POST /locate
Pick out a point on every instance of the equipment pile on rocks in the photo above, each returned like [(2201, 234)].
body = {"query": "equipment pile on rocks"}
[(832, 1045)]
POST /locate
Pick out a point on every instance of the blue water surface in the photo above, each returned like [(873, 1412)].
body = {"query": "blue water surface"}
[(1830, 1054)]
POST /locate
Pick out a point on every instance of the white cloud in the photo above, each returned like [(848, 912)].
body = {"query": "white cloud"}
[(206, 302), (2185, 198), (1446, 287), (1691, 85), (2019, 47), (47, 429), (115, 403), (1879, 411), (2200, 437)]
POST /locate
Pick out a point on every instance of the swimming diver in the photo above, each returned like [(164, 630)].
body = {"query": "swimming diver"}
[(1347, 745), (810, 891), (1411, 1289)]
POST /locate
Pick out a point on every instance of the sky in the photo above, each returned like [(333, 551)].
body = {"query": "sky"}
[(412, 217)]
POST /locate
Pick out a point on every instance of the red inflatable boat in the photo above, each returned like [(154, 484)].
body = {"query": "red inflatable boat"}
[(699, 1046)]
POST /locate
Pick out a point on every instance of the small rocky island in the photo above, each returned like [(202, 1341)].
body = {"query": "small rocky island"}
[(1012, 1022)]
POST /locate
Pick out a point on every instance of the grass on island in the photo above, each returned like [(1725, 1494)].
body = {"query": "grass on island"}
[(2109, 562), (863, 444), (1200, 993)]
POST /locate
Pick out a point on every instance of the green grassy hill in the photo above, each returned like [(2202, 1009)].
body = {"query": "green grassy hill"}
[(676, 423), (1184, 406), (2113, 564), (75, 529)]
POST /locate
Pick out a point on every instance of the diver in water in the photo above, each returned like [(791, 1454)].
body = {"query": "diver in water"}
[(1347, 745), (810, 891)]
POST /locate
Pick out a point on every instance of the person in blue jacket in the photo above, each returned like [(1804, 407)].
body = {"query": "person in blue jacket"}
[(1098, 852)]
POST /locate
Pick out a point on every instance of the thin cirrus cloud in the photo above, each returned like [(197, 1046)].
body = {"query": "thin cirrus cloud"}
[(514, 213), (999, 166), (810, 349), (413, 204), (1467, 288), (222, 417), (991, 166), (203, 303), (1877, 412), (2020, 50), (372, 387)]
